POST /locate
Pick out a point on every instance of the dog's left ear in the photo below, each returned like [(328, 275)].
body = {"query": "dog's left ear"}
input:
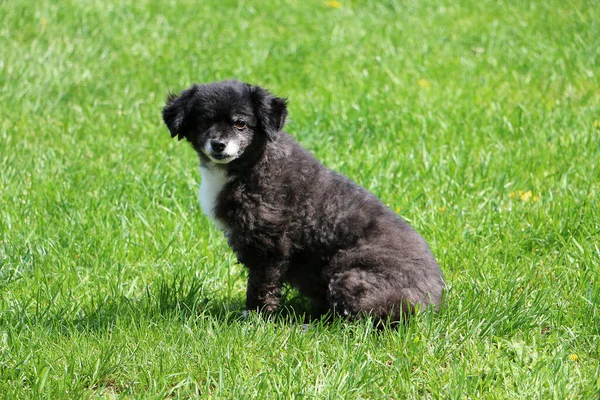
[(176, 111), (270, 110)]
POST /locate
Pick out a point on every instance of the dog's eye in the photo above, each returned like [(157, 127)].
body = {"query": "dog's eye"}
[(239, 124)]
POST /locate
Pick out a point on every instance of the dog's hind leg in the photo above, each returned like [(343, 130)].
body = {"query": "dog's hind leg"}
[(357, 293), (360, 292), (385, 283)]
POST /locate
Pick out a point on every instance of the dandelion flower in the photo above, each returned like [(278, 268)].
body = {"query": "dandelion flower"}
[(526, 196), (573, 357), (424, 83), (334, 4)]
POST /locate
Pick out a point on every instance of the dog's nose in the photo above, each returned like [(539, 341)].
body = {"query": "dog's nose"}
[(217, 146)]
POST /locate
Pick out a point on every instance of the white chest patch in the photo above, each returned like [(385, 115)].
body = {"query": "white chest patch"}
[(213, 180)]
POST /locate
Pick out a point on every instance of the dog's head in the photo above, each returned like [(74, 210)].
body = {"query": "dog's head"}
[(221, 120)]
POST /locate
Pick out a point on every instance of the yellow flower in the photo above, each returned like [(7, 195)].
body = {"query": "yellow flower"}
[(573, 357), (524, 195), (424, 83), (596, 124), (443, 209), (334, 4)]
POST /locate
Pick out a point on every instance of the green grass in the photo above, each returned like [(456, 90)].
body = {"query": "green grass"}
[(477, 120)]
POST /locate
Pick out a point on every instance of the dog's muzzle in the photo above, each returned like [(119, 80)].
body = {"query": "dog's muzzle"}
[(218, 147), (221, 152)]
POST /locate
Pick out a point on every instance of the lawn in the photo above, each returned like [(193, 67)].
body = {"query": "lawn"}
[(476, 120)]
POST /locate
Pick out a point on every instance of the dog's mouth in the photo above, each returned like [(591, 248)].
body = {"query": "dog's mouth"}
[(220, 158)]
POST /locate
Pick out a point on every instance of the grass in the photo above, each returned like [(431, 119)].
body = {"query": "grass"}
[(478, 121)]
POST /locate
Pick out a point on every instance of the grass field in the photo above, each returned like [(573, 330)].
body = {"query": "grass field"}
[(476, 120)]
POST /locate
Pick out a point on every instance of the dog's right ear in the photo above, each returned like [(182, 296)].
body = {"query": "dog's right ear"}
[(176, 111)]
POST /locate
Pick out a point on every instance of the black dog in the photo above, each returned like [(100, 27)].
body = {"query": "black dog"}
[(290, 219)]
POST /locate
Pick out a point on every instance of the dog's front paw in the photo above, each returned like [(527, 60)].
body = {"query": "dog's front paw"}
[(266, 309), (265, 312)]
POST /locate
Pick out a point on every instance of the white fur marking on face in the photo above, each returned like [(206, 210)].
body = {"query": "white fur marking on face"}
[(232, 148), (213, 180), (231, 152)]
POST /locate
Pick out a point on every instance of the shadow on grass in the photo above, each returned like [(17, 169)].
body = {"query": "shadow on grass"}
[(176, 298), (168, 299), (187, 300)]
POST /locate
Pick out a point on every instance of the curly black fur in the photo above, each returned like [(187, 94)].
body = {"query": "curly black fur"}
[(290, 219)]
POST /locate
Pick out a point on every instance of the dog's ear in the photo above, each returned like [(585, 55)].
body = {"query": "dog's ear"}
[(270, 111), (177, 110)]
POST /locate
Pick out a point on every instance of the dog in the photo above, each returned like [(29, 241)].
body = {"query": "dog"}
[(289, 219)]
